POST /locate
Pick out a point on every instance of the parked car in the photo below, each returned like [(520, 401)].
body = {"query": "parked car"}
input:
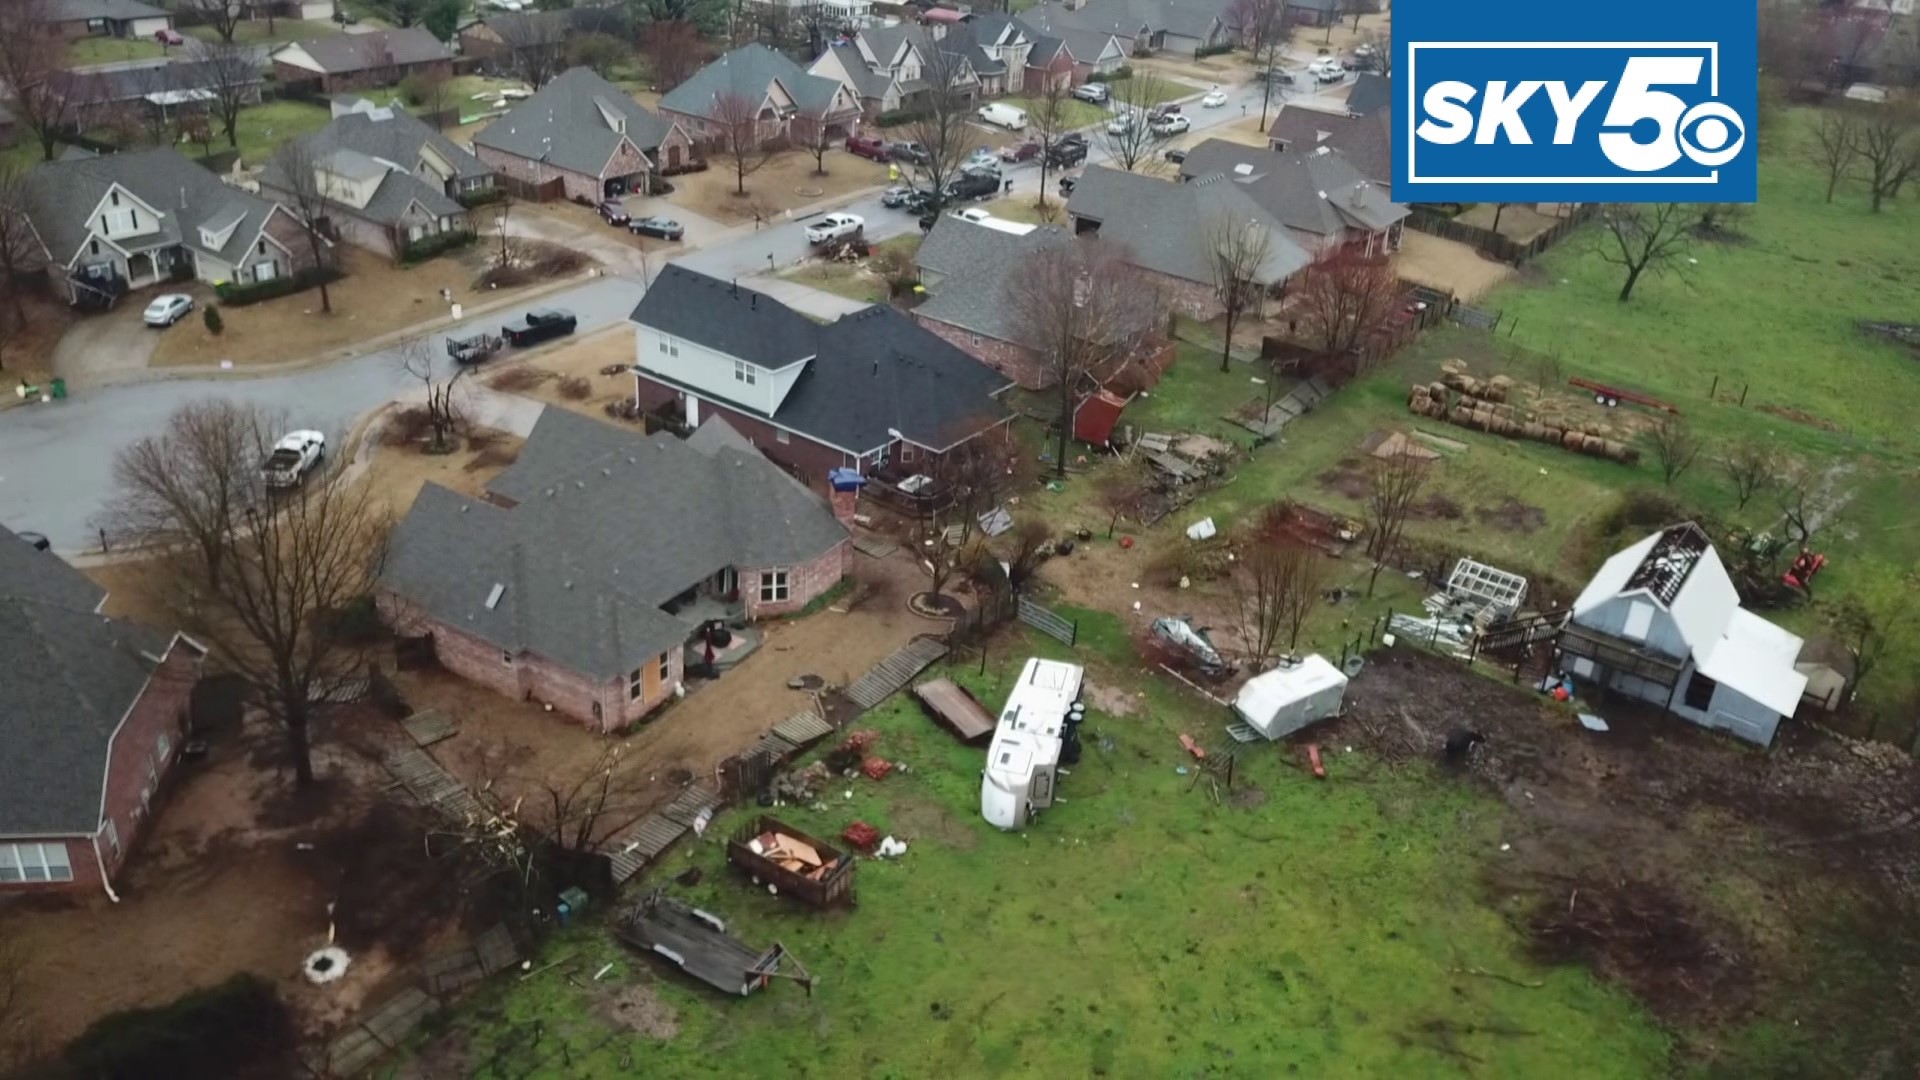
[(538, 325), (910, 152), (1171, 125), (1327, 70), (873, 149), (168, 36), (1121, 124), (973, 214), (1164, 109), (835, 227), (292, 458), (1093, 92), (344, 17), (972, 185), (921, 203), (167, 310), (1177, 156), (1071, 150), (983, 159), (34, 540), (896, 196), (659, 227), (1001, 114), (1214, 100), (614, 212), (1025, 151)]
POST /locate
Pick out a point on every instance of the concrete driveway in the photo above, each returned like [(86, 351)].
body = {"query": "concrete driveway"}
[(701, 231), (111, 346)]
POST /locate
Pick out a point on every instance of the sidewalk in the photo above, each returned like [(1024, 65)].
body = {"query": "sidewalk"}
[(805, 299)]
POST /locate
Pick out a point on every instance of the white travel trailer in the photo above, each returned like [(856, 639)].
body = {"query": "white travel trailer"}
[(1284, 700), (1024, 757)]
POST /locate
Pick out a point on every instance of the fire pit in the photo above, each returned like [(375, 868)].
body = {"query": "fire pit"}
[(326, 965)]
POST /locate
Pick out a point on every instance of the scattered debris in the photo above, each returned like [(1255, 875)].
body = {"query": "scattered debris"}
[(891, 848), (1592, 722), (1194, 643)]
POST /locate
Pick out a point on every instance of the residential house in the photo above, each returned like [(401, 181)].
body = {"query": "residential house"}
[(786, 104), (1179, 27), (1324, 200), (581, 137), (104, 18), (1072, 47), (840, 14), (1173, 231), (154, 94), (497, 40), (886, 68), (389, 179), (1366, 142), (1370, 92), (871, 390), (581, 577), (997, 48), (1313, 12), (117, 221), (969, 271), (329, 65), (1662, 622), (93, 717)]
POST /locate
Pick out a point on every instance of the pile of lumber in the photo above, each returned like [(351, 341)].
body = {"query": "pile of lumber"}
[(792, 854), (1436, 400)]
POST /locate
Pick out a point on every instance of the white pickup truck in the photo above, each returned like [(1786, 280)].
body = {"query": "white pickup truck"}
[(835, 227), (293, 457)]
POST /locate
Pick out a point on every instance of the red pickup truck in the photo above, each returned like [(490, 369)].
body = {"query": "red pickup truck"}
[(874, 149)]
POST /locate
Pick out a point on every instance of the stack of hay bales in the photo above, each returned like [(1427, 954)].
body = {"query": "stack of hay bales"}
[(1475, 410)]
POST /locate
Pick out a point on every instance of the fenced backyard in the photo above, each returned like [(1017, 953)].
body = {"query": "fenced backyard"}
[(1499, 245)]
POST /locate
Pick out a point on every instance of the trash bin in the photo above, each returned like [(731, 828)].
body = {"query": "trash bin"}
[(572, 900), (59, 388)]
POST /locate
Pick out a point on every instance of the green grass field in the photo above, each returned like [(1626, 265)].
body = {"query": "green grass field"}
[(1139, 929), (264, 127), (1074, 113)]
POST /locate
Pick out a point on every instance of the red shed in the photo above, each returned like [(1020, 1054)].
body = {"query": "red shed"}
[(1096, 417)]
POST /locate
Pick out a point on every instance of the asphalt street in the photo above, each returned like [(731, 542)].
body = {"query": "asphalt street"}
[(56, 460)]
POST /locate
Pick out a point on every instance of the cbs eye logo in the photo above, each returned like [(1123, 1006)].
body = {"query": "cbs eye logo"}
[(1708, 133)]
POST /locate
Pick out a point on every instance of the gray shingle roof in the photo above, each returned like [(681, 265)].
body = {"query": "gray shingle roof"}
[(870, 371), (61, 194), (1086, 45), (340, 53), (71, 676), (396, 137), (95, 87), (973, 264), (564, 123), (622, 525), (70, 10), (746, 72), (1316, 190), (1366, 141), (1167, 226), (1187, 18), (1370, 92)]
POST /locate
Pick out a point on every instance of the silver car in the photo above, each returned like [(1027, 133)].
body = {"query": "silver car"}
[(167, 310)]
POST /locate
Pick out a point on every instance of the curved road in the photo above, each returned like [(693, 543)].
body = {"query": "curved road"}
[(56, 461)]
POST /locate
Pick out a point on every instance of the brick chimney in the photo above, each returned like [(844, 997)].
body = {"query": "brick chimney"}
[(845, 505)]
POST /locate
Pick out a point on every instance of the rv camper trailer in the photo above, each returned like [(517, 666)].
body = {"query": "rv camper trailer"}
[(1284, 700), (1036, 730)]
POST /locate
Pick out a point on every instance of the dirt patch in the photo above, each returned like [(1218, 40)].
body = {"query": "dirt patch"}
[(1447, 265), (785, 183), (1347, 479), (1438, 507), (1798, 416), (397, 473), (1111, 699), (932, 823), (638, 1009), (1518, 222), (576, 376), (1512, 515), (1247, 797)]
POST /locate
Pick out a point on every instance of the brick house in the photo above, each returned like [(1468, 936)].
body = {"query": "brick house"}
[(128, 220), (592, 563), (1327, 203), (1364, 139), (788, 104), (888, 68), (92, 719), (502, 42), (340, 62), (584, 135), (1179, 27), (1170, 229), (968, 270), (872, 390), (104, 18)]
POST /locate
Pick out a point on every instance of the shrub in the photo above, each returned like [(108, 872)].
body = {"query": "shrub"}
[(480, 197), (516, 379), (1119, 74), (575, 388), (428, 246), (1211, 50), (211, 316), (900, 116), (241, 295), (413, 90)]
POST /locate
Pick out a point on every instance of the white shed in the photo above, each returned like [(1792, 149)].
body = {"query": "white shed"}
[(1284, 700)]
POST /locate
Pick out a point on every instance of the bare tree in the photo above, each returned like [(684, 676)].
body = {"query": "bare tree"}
[(1259, 586), (583, 813), (734, 121), (431, 91), (1032, 543), (600, 52), (1345, 301), (1049, 118), (1645, 238), (187, 488), (1122, 491), (1836, 140), (943, 128), (1807, 498), (260, 578), (1264, 32), (1866, 628), (1381, 41), (229, 73), (1674, 446), (1547, 371), (813, 135), (21, 252), (1083, 308), (1750, 466), (305, 195), (1888, 144), (674, 51), (43, 98), (1132, 141), (540, 48), (1305, 572), (222, 15), (438, 375), (1394, 485), (1237, 254)]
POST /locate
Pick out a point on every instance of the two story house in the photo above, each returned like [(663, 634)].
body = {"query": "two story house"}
[(1662, 622), (868, 391), (389, 179), (115, 222), (887, 68), (786, 102)]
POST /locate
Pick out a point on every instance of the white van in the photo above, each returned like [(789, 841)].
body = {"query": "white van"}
[(1011, 117)]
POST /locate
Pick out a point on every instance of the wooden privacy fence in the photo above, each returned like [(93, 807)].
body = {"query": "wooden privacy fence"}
[(1049, 623), (522, 189), (1498, 245)]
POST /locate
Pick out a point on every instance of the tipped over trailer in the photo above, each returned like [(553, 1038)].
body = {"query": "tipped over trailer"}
[(1280, 702), (1038, 731)]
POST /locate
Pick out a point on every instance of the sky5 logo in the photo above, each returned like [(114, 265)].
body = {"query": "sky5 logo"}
[(1498, 102)]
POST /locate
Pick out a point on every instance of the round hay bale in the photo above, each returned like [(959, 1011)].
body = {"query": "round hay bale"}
[(1461, 415), (1633, 456), (1501, 383), (1454, 366), (1510, 428), (1438, 389), (1573, 440), (1551, 433), (1614, 451), (1533, 430), (1594, 446)]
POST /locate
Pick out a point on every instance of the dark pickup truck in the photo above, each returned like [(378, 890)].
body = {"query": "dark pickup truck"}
[(1071, 150), (538, 325)]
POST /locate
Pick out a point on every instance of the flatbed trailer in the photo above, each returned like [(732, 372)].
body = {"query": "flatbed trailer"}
[(697, 943)]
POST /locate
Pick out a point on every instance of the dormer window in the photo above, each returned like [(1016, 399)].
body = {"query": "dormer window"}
[(744, 372)]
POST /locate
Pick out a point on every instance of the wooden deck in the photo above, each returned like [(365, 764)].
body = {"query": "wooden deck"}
[(874, 547), (896, 671), (427, 728), (657, 832), (492, 951), (803, 729), (956, 709)]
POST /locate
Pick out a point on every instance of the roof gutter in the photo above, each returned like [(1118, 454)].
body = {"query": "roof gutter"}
[(101, 862)]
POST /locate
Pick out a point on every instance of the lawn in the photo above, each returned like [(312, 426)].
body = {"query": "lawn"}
[(1074, 113), (108, 50), (785, 181), (1139, 929), (855, 281), (264, 127)]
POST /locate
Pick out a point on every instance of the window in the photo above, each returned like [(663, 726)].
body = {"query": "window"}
[(1700, 692), (93, 247), (666, 668), (265, 271), (745, 372), (118, 221), (906, 452), (113, 198), (111, 834), (780, 436), (1639, 621), (35, 862), (506, 658), (261, 248), (773, 586), (636, 683)]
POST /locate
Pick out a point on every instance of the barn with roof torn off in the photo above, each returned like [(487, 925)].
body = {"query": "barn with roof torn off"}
[(1662, 622)]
